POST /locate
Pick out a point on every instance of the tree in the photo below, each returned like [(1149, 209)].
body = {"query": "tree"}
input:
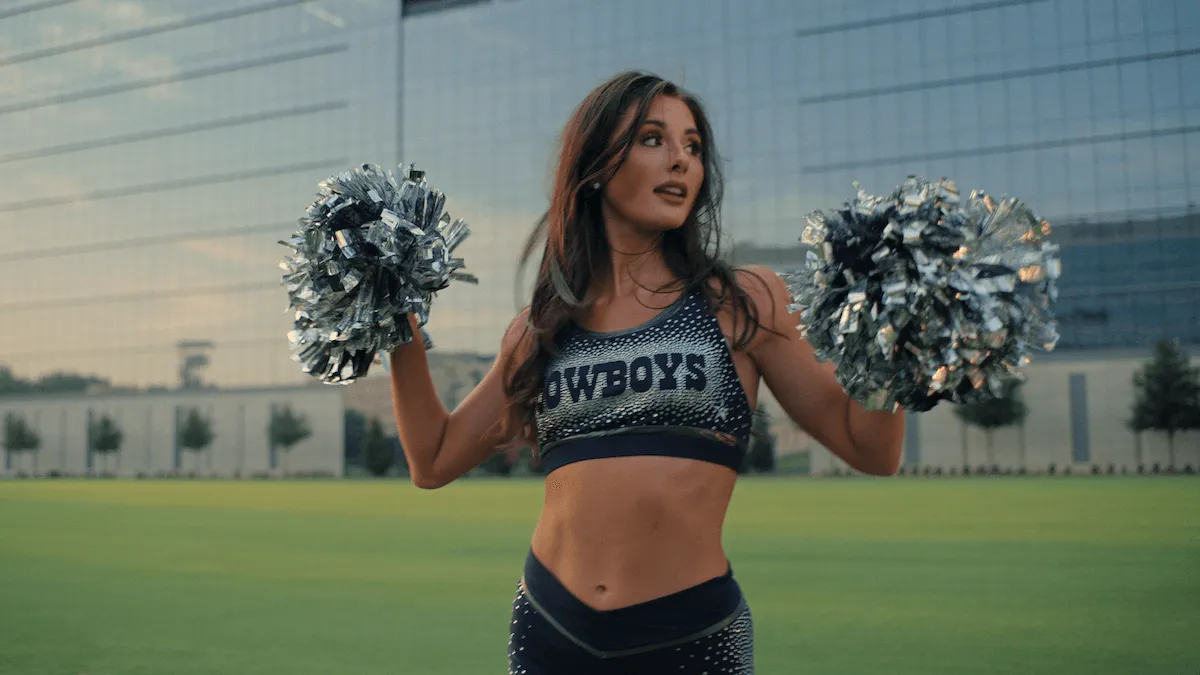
[(398, 458), (195, 433), (501, 462), (1166, 394), (378, 453), (11, 385), (966, 447), (993, 412), (69, 382), (760, 455), (286, 430), (1137, 423), (533, 463), (20, 437), (453, 386), (105, 437), (354, 427)]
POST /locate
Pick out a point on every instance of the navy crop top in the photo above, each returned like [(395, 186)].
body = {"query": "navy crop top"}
[(667, 387)]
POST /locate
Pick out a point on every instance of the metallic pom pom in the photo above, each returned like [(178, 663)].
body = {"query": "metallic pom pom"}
[(917, 297), (369, 251)]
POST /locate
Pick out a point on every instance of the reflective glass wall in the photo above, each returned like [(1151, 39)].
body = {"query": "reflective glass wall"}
[(1079, 107), (152, 153)]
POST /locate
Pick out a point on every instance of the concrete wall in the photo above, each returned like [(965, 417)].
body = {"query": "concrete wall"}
[(938, 437), (454, 376), (1048, 434), (148, 422)]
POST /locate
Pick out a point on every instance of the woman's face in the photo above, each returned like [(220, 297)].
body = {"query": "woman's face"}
[(657, 184)]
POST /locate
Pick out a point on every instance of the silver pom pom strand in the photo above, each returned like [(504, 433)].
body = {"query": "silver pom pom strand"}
[(919, 297), (371, 249)]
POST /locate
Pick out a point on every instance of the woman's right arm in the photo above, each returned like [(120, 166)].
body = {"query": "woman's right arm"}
[(440, 445)]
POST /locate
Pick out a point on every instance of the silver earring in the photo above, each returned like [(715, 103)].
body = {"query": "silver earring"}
[(596, 186)]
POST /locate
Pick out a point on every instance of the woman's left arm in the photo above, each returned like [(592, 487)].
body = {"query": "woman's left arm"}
[(869, 441)]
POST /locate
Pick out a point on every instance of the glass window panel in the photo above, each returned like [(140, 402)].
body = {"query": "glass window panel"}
[(1053, 173), (1101, 21), (739, 68), (835, 123), (883, 131), (1165, 92), (764, 141), (761, 66), (1135, 103), (1021, 112), (1160, 24), (1015, 38), (993, 108), (1106, 104), (964, 119), (991, 173), (1142, 163), (855, 52), (786, 135), (1047, 107), (936, 124), (741, 136), (910, 106), (1110, 165), (928, 52), (1042, 25), (1178, 313), (1131, 25), (1082, 179), (1189, 72), (839, 186), (834, 69), (1072, 30), (1076, 96), (812, 76), (989, 50), (961, 42), (812, 129), (1188, 17), (1168, 156), (883, 176), (1191, 173), (784, 59)]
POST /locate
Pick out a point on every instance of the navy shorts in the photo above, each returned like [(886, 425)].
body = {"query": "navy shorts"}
[(703, 630)]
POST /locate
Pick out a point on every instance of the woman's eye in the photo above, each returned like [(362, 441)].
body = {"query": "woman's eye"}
[(695, 148), (652, 141)]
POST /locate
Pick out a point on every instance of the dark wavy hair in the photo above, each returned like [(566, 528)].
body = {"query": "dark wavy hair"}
[(576, 250)]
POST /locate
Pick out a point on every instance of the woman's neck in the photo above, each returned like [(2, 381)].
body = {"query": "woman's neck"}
[(636, 263)]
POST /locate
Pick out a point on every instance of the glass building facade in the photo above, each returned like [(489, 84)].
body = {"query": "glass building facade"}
[(152, 153)]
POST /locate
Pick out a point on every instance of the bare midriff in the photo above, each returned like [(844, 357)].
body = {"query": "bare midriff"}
[(621, 531)]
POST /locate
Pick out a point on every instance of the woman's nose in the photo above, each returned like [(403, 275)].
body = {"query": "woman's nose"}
[(679, 158)]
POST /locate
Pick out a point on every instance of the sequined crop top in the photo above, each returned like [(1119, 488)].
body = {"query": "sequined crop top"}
[(666, 387)]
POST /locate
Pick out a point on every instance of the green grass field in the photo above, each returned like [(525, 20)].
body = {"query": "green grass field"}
[(851, 576)]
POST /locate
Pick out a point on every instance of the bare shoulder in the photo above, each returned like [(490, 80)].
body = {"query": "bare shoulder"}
[(768, 298), (518, 330), (518, 339), (760, 298), (765, 288)]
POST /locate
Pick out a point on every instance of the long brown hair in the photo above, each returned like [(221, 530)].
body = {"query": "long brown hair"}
[(576, 248)]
